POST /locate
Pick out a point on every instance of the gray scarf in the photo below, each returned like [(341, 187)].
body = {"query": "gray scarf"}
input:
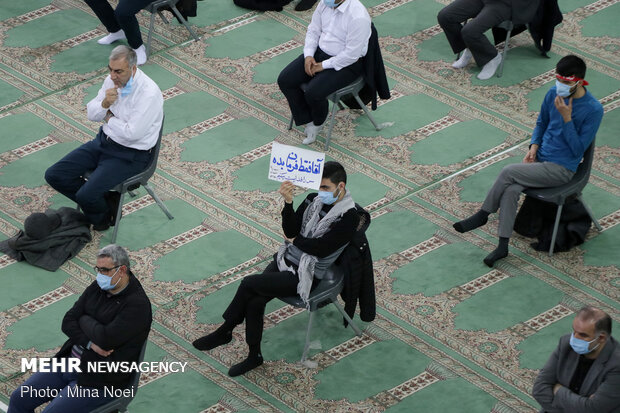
[(313, 227)]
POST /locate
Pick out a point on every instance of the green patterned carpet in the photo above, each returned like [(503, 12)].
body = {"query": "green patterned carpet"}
[(450, 334)]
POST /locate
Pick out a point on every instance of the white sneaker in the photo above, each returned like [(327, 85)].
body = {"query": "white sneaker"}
[(463, 60), (490, 68), (141, 55), (312, 131), (112, 37)]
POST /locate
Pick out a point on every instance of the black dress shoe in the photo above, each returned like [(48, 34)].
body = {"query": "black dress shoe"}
[(246, 365), (102, 226), (304, 5)]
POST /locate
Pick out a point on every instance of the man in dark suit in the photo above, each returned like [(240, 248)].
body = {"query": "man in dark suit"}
[(583, 373), (130, 105), (470, 39)]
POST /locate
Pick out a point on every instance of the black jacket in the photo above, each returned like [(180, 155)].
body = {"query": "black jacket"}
[(359, 279), (262, 5), (536, 219), (374, 75), (120, 322)]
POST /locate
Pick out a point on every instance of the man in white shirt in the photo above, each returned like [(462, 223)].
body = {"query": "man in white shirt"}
[(336, 40), (130, 105)]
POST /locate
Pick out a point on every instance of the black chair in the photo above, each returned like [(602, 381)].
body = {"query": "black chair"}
[(156, 7), (134, 183), (121, 403), (559, 194), (326, 292)]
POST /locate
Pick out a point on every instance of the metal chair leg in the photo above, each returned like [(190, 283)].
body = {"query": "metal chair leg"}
[(290, 124), (307, 345), (500, 71), (150, 36), (158, 201), (359, 102), (331, 125), (185, 23), (354, 326), (118, 217), (555, 229), (594, 220)]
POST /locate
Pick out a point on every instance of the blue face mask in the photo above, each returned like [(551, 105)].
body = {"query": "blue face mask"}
[(581, 346), (330, 3), (562, 90), (105, 282), (126, 90), (327, 197)]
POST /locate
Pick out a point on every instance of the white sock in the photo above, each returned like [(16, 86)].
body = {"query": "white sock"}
[(312, 131), (141, 54), (463, 60), (489, 69), (112, 37)]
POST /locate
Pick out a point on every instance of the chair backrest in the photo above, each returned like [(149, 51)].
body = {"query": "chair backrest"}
[(585, 167), (121, 403), (148, 172)]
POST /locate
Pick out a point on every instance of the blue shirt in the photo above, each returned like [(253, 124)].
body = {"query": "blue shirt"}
[(564, 143)]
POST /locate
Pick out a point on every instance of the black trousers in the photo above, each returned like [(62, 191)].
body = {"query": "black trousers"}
[(312, 105), (484, 14), (124, 17), (253, 294)]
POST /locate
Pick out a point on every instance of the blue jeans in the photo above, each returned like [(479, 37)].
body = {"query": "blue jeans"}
[(111, 164), (62, 389)]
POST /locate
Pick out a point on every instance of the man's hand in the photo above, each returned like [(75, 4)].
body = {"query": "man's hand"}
[(556, 387), (316, 68), (110, 97), (290, 239), (530, 156), (564, 109), (308, 62), (100, 351), (108, 115), (286, 190)]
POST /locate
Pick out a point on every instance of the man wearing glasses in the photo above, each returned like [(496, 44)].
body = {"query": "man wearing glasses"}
[(109, 322), (568, 120), (130, 105)]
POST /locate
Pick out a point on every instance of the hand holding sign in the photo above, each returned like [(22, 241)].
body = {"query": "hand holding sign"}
[(302, 167), (286, 190)]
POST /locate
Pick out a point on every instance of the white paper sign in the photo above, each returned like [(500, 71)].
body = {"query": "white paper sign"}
[(302, 167)]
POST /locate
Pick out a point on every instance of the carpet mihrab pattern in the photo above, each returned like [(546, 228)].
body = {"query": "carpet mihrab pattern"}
[(451, 335)]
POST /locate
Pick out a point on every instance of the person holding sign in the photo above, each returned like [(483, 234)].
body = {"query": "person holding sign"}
[(314, 236), (336, 40)]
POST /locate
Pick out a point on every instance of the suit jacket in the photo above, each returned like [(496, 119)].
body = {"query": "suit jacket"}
[(523, 11), (602, 381)]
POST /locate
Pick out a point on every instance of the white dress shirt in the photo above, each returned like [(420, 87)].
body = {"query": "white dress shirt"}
[(341, 32), (137, 116)]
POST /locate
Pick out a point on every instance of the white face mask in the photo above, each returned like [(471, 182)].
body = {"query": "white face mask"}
[(564, 90)]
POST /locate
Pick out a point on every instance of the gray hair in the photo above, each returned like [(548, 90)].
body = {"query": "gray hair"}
[(124, 52), (118, 254)]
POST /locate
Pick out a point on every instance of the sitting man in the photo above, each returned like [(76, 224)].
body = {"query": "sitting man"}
[(568, 120), (583, 373), (336, 40), (130, 105), (109, 322), (121, 23), (484, 14), (315, 236)]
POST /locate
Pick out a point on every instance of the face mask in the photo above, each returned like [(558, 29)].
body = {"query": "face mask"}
[(562, 90), (105, 282), (581, 346), (126, 90), (330, 3), (327, 197)]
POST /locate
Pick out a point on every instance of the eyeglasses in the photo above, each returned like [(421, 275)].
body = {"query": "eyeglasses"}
[(105, 270)]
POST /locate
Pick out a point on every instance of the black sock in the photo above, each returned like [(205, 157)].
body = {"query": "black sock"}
[(498, 253), (254, 359), (477, 220), (222, 335)]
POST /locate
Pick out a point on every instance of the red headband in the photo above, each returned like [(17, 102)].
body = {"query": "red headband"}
[(572, 79)]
